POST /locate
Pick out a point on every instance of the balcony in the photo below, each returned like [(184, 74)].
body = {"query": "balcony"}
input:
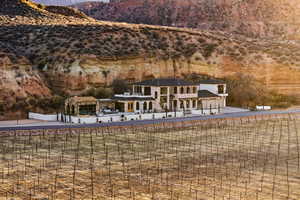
[(185, 96), (223, 94)]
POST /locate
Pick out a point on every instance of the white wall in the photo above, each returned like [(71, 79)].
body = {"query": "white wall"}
[(210, 87), (126, 117), (43, 117), (263, 107), (205, 112)]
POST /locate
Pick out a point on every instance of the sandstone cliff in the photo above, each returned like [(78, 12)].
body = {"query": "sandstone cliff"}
[(43, 53)]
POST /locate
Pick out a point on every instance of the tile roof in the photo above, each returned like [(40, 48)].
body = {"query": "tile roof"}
[(165, 82), (206, 94), (212, 81)]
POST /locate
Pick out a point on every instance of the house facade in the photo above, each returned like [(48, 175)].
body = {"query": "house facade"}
[(81, 106), (157, 95), (217, 87), (181, 95)]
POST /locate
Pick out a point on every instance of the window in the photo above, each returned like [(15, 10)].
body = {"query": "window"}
[(188, 90), (147, 91), (181, 104), (175, 90), (188, 104), (137, 106), (163, 90), (175, 104), (181, 90), (138, 89), (150, 105), (221, 89), (194, 103), (130, 107), (73, 110), (87, 110), (163, 100), (145, 106), (194, 89), (156, 95)]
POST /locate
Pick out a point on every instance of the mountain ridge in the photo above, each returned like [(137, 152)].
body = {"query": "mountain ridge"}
[(62, 2), (254, 18)]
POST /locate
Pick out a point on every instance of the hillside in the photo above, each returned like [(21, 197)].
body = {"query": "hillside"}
[(43, 53), (263, 18), (62, 2)]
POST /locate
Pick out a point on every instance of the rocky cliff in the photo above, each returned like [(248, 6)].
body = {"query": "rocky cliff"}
[(259, 18), (43, 53)]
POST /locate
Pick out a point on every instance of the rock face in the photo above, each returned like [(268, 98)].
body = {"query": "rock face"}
[(44, 53), (263, 18)]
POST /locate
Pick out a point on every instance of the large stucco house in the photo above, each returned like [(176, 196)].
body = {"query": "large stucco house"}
[(159, 95)]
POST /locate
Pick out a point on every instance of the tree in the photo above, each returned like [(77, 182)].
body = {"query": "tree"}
[(120, 86), (105, 74)]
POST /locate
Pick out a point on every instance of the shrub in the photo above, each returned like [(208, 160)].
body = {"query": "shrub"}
[(208, 50)]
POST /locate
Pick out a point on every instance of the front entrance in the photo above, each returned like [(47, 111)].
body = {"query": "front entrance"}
[(130, 106)]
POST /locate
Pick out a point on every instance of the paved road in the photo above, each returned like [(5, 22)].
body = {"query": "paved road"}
[(144, 122)]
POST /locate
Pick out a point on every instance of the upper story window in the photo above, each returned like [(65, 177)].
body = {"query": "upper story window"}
[(188, 90), (163, 90), (194, 89), (175, 90), (156, 95), (181, 90), (138, 89), (147, 91), (221, 89)]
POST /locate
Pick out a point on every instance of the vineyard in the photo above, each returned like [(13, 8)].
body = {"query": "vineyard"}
[(248, 158)]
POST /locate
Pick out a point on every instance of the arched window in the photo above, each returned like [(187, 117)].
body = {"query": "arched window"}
[(181, 104), (150, 105), (194, 103), (145, 106), (181, 90), (137, 105), (175, 104), (68, 109), (175, 90), (73, 110)]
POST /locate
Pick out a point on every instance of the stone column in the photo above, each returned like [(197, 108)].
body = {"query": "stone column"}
[(143, 90), (168, 98), (126, 106)]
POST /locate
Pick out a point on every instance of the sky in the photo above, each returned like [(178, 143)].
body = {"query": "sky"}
[(62, 2)]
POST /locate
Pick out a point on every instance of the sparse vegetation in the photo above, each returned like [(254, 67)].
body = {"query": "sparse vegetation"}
[(247, 92)]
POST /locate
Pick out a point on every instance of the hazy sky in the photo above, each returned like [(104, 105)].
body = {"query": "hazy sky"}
[(62, 2)]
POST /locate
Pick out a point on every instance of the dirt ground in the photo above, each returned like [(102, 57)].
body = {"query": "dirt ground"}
[(247, 158)]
